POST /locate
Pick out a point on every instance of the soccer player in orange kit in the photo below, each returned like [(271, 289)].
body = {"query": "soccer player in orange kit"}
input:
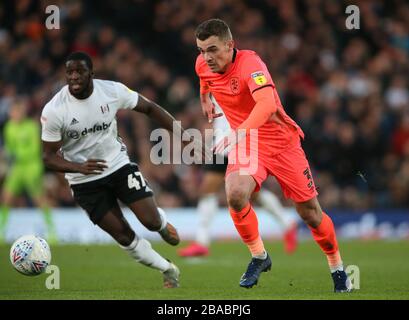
[(241, 84)]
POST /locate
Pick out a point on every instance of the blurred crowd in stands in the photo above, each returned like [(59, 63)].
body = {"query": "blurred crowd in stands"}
[(347, 89)]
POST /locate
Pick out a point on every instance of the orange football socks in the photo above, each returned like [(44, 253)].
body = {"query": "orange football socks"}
[(325, 236), (247, 225)]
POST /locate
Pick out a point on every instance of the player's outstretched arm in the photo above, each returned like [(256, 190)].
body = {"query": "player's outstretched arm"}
[(263, 110), (157, 113), (54, 161), (167, 121)]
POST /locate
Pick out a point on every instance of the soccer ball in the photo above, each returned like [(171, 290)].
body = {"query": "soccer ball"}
[(30, 255)]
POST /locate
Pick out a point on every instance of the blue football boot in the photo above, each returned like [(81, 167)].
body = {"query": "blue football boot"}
[(341, 281), (254, 269)]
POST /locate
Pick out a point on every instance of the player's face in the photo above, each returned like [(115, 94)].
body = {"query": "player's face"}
[(78, 77), (17, 112), (216, 52)]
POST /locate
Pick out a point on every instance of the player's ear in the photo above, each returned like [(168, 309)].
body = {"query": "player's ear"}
[(230, 44)]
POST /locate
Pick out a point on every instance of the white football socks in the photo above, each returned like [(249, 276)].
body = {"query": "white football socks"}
[(164, 220), (141, 251), (270, 203), (262, 256), (337, 268), (206, 209)]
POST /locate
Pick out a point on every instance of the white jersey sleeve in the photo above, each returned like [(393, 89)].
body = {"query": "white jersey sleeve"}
[(127, 97), (51, 125)]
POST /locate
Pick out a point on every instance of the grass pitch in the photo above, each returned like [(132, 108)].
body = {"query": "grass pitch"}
[(106, 272)]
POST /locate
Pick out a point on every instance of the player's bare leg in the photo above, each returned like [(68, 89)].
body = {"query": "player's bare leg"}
[(115, 224), (206, 209), (323, 232), (239, 188), (269, 201), (154, 219)]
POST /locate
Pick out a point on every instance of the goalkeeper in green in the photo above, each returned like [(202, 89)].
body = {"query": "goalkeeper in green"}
[(22, 146)]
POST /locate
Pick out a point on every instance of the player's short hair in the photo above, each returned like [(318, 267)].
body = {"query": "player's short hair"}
[(213, 27), (80, 56)]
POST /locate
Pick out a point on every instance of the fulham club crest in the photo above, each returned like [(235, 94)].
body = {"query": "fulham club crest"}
[(104, 108)]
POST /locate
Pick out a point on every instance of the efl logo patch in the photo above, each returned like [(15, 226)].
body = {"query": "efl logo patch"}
[(259, 78)]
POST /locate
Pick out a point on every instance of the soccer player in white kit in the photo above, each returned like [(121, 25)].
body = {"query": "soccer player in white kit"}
[(80, 138), (213, 181)]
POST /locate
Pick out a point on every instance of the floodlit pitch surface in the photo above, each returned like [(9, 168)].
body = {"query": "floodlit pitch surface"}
[(106, 272)]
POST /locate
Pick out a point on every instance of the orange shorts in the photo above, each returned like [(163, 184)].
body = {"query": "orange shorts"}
[(290, 168)]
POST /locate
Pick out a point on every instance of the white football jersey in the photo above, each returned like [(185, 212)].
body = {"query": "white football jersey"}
[(88, 127)]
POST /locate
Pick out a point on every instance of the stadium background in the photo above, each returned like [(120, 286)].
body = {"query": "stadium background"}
[(347, 89)]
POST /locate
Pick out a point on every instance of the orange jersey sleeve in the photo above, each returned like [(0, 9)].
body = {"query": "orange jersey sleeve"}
[(255, 73), (264, 108)]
